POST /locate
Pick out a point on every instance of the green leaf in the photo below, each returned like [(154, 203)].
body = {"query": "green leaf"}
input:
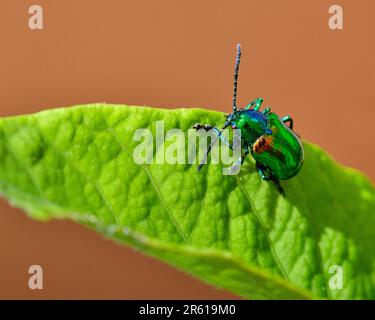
[(235, 232)]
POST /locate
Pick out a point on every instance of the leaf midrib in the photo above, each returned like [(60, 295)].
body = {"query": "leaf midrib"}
[(264, 229), (156, 188)]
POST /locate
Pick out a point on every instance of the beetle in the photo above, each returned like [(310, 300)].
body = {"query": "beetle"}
[(270, 139)]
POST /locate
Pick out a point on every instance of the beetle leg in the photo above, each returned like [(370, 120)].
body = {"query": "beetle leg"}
[(278, 186), (264, 175), (267, 176), (245, 152), (218, 132), (222, 138), (266, 111), (257, 102), (288, 119)]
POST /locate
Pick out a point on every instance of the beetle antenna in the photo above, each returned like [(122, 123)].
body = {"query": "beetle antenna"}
[(227, 123), (236, 67)]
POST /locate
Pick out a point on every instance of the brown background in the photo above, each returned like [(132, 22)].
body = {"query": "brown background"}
[(175, 54)]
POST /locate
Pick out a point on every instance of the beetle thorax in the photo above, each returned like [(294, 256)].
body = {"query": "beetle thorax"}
[(252, 124)]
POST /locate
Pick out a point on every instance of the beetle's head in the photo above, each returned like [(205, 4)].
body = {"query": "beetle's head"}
[(230, 119)]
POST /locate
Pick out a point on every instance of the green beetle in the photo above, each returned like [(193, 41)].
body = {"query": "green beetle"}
[(276, 148)]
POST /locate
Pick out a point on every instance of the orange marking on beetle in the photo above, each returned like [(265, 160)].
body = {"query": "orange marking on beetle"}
[(262, 144)]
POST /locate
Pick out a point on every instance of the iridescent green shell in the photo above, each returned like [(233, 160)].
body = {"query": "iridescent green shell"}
[(252, 124), (281, 152)]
